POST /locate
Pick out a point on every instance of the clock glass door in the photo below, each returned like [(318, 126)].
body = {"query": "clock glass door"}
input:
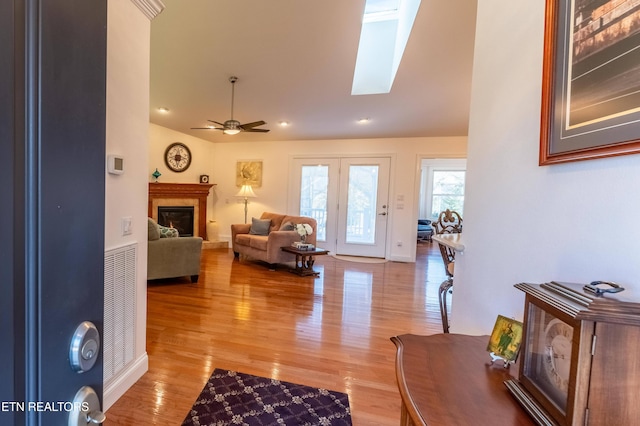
[(547, 360)]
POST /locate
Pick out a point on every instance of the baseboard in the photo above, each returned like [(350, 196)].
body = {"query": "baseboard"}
[(114, 390), (405, 259), (206, 245)]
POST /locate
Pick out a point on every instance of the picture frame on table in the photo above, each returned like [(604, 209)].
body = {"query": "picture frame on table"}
[(591, 80), (506, 339)]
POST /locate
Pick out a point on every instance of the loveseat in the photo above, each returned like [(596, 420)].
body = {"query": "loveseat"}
[(263, 237), (171, 256)]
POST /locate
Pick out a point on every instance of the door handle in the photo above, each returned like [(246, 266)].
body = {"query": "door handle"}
[(86, 408), (382, 214)]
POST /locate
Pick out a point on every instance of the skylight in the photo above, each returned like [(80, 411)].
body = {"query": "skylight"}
[(386, 26)]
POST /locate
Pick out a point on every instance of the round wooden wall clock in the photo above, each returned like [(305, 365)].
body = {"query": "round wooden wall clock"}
[(177, 157)]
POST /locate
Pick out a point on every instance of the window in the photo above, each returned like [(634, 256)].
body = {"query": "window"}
[(447, 191), (442, 187)]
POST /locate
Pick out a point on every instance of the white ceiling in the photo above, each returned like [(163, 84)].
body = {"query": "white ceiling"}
[(295, 61)]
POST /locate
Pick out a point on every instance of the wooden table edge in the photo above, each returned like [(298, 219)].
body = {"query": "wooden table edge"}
[(405, 395)]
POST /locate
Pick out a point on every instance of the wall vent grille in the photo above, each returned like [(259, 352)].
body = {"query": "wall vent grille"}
[(119, 309)]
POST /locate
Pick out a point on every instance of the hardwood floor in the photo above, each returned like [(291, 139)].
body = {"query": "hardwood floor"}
[(332, 331)]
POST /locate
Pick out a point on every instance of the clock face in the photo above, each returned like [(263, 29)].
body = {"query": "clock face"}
[(177, 157), (558, 340), (548, 355)]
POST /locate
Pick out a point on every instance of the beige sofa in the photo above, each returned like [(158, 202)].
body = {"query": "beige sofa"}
[(267, 247), (172, 257)]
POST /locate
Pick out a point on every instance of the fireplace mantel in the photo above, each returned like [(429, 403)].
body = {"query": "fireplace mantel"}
[(194, 194)]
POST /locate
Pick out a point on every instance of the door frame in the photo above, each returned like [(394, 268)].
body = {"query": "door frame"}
[(418, 188)]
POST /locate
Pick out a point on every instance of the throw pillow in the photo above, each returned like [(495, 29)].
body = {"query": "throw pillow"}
[(259, 226), (154, 231), (287, 226), (168, 232)]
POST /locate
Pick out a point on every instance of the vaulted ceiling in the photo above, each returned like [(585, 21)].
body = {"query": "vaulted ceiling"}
[(295, 59)]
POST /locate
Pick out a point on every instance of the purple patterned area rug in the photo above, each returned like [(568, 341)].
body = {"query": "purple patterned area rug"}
[(231, 398)]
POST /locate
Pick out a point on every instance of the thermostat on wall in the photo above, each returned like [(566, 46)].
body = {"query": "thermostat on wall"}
[(115, 164)]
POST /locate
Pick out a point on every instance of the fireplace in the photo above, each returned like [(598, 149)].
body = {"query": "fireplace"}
[(193, 195), (178, 217)]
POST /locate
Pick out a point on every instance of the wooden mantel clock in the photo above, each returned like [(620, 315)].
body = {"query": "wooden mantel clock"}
[(580, 355)]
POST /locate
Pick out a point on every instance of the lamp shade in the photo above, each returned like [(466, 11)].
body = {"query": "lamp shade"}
[(246, 191)]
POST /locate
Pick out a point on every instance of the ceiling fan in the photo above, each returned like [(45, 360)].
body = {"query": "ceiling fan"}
[(231, 126)]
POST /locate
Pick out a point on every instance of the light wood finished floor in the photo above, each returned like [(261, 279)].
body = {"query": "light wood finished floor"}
[(332, 332)]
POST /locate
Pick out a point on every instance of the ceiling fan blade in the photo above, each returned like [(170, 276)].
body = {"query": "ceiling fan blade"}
[(217, 122), (256, 130), (250, 125)]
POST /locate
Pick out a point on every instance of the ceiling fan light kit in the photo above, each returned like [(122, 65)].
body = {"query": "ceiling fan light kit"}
[(231, 126)]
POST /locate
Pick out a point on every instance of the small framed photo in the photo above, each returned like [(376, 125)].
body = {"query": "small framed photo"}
[(505, 339)]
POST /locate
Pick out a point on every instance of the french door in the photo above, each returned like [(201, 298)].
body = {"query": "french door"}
[(349, 199)]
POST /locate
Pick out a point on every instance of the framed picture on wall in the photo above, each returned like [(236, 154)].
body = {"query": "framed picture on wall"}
[(249, 173), (591, 80)]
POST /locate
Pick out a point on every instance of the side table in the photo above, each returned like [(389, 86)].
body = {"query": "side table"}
[(305, 260), (447, 379)]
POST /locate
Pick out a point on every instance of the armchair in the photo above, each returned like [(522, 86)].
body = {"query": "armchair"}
[(172, 257)]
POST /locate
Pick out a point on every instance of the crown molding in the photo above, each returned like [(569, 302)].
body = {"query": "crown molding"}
[(150, 8)]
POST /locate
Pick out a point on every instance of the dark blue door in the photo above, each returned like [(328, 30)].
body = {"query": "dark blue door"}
[(52, 136)]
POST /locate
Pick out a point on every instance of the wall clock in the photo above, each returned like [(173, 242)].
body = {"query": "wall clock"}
[(580, 356), (177, 157)]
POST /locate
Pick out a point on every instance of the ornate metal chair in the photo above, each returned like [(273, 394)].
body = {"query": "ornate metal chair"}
[(449, 222)]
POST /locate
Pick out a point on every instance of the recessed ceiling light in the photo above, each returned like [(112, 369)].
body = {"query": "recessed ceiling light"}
[(364, 120), (163, 110), (284, 123)]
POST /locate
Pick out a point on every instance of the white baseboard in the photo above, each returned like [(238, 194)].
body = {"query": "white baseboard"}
[(406, 259), (119, 385)]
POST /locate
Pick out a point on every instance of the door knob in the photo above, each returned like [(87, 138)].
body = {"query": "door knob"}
[(86, 408), (382, 214)]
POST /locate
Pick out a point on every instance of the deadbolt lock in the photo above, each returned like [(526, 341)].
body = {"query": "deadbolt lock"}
[(85, 347)]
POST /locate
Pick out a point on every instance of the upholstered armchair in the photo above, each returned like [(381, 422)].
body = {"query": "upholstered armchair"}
[(172, 256)]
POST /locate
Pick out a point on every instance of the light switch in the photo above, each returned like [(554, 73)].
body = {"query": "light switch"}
[(127, 227)]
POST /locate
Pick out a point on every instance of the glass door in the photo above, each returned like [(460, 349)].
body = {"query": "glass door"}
[(322, 186), (363, 201), (314, 193)]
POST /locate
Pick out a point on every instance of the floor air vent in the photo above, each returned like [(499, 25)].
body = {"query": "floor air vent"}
[(119, 309)]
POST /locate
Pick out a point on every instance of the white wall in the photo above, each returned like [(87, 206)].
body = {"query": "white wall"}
[(276, 156), (202, 153), (574, 222), (127, 134)]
